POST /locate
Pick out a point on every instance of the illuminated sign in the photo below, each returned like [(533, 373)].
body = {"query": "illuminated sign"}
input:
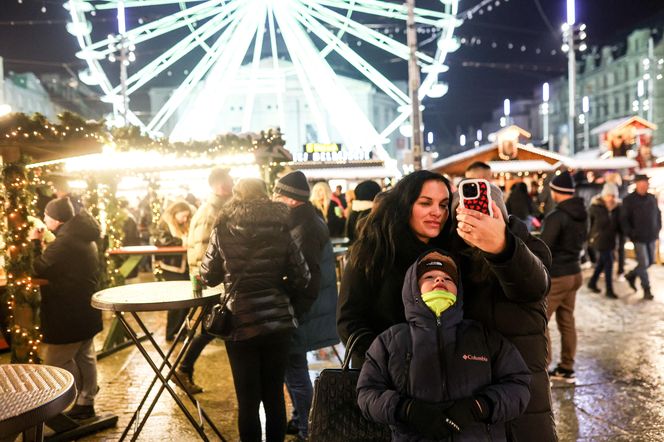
[(321, 152), (322, 147)]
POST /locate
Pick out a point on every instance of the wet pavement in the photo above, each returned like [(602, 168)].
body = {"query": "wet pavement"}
[(618, 396)]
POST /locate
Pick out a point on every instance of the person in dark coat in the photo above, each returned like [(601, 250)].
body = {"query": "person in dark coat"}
[(565, 230), (365, 192), (68, 321), (520, 204), (251, 249), (641, 221), (439, 375), (406, 222), (604, 213), (505, 289), (317, 324)]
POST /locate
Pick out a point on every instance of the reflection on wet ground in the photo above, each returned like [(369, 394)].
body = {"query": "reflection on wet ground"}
[(619, 394)]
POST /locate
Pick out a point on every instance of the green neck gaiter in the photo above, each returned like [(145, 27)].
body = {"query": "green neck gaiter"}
[(438, 300)]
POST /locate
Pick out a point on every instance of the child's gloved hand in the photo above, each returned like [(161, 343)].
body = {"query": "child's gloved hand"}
[(465, 412), (427, 418)]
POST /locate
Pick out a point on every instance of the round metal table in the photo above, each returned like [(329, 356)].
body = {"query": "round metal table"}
[(30, 395), (158, 296)]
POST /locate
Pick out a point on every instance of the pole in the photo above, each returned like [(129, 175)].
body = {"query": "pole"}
[(571, 75), (545, 114), (651, 80), (414, 86), (124, 60)]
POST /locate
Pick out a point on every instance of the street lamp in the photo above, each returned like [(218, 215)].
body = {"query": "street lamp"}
[(545, 113), (585, 107), (462, 140), (572, 32), (640, 92), (507, 110)]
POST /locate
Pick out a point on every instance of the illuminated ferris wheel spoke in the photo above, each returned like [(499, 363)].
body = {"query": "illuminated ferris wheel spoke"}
[(177, 52), (389, 10), (362, 65), (112, 4), (255, 65), (279, 79), (194, 78), (367, 34)]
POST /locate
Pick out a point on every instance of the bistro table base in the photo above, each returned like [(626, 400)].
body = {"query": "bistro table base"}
[(66, 429), (189, 330)]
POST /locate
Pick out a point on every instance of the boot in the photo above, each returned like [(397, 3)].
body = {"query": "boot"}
[(647, 295), (186, 382), (81, 412), (611, 295), (593, 288), (631, 280)]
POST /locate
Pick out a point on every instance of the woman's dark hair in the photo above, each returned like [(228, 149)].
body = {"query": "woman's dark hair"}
[(375, 249)]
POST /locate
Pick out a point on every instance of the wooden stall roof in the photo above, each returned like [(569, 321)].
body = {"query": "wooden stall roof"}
[(619, 123), (456, 165)]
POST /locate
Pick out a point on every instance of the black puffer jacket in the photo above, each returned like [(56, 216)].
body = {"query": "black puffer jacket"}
[(604, 225), (640, 217), (403, 363), (565, 230), (507, 293), (251, 241), (317, 328), (71, 266)]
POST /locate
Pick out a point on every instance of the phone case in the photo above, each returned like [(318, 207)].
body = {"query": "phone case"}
[(482, 202)]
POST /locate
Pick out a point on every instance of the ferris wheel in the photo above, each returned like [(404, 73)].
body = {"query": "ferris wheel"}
[(221, 39)]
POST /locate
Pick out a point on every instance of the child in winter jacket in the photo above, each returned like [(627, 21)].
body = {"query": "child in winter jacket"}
[(440, 377)]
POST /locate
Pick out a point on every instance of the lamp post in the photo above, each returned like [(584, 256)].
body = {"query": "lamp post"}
[(545, 113), (414, 86), (507, 110), (640, 92), (571, 73), (585, 107)]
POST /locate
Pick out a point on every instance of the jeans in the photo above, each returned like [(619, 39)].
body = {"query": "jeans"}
[(259, 365), (621, 254), (561, 301), (300, 390), (645, 256), (604, 264), (79, 359), (199, 342)]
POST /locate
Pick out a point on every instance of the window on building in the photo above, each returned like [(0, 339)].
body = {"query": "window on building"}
[(616, 105), (626, 105), (626, 73), (636, 69)]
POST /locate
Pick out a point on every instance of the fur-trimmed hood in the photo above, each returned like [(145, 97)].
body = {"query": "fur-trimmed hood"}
[(242, 217)]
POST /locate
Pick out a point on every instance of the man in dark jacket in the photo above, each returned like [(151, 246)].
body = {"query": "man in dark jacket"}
[(641, 221), (317, 325), (68, 321), (565, 229)]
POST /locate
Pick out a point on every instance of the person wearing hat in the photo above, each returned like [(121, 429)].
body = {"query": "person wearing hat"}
[(68, 322), (440, 376), (198, 238), (365, 192), (641, 221), (604, 213), (317, 322), (565, 230)]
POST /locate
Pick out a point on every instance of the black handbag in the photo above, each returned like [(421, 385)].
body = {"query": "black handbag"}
[(335, 415), (219, 320)]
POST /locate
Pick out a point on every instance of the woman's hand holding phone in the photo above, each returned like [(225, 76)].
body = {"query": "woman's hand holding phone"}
[(485, 232)]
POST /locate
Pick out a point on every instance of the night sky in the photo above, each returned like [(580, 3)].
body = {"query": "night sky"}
[(507, 50)]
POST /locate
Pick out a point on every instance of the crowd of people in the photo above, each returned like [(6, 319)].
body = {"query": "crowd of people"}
[(453, 304)]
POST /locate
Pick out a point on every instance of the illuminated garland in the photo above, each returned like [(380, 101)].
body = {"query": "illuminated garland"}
[(113, 222), (22, 298), (21, 128), (156, 205)]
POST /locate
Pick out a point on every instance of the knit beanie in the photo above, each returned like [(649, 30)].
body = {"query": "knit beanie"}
[(60, 209), (294, 185), (610, 189), (438, 261), (367, 190), (563, 183)]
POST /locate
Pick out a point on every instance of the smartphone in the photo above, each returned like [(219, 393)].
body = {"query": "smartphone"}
[(474, 194)]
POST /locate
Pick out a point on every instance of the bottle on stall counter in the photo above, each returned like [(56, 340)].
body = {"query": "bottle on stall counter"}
[(196, 285)]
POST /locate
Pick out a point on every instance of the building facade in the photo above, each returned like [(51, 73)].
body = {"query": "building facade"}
[(620, 81)]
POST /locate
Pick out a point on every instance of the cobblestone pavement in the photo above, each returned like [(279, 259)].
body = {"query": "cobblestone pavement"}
[(619, 394)]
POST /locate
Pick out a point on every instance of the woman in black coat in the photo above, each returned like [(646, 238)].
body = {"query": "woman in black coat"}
[(604, 213), (252, 251)]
